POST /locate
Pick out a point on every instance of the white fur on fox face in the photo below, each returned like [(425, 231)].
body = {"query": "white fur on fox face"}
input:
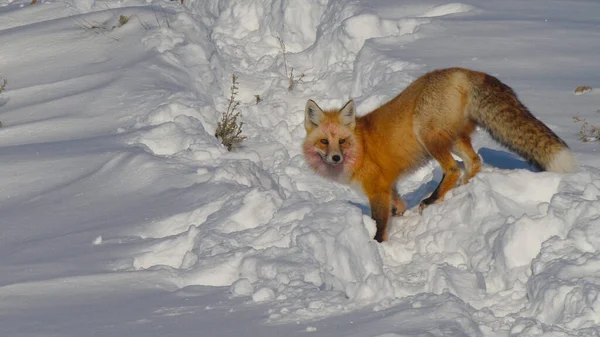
[(332, 157), (329, 159), (321, 158), (330, 147)]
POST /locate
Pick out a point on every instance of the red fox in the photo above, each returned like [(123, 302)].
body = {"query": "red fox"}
[(432, 118)]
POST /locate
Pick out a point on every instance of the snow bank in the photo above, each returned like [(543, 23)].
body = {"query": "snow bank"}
[(513, 250), (510, 241), (479, 245)]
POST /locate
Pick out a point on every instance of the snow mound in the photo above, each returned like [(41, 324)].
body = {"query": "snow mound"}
[(481, 244), (273, 232), (120, 121)]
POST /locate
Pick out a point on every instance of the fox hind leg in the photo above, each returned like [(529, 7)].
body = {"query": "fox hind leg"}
[(438, 144), (463, 148)]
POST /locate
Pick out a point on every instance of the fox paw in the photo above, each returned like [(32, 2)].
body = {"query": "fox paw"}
[(427, 202), (398, 206), (397, 212), (463, 180), (380, 237), (422, 206)]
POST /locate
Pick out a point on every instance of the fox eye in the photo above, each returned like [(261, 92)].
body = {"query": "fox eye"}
[(324, 141), (342, 141)]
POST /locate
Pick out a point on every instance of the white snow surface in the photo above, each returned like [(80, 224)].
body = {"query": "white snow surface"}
[(123, 215)]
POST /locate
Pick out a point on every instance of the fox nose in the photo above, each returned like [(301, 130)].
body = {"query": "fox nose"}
[(336, 158)]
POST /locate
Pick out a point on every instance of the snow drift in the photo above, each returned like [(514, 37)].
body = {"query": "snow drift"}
[(126, 163)]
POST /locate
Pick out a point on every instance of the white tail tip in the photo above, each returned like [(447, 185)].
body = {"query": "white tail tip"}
[(563, 162)]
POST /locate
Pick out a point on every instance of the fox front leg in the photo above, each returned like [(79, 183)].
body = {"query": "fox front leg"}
[(381, 209), (398, 205)]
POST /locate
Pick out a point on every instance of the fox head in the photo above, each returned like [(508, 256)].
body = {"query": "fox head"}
[(331, 147)]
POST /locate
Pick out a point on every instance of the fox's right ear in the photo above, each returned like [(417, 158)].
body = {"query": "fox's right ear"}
[(313, 115)]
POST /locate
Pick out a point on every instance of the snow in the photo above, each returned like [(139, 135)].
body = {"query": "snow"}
[(123, 215)]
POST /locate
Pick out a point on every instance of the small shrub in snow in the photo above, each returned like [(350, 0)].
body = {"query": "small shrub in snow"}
[(123, 20), (292, 81), (228, 129), (587, 132), (582, 89), (106, 27)]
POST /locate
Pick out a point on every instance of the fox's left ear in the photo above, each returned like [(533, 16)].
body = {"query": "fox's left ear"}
[(348, 114)]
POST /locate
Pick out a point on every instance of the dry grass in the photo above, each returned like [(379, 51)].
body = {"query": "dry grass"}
[(582, 89), (123, 20), (292, 80), (228, 129), (587, 132)]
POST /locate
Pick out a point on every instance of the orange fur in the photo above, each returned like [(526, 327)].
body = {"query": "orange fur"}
[(432, 118)]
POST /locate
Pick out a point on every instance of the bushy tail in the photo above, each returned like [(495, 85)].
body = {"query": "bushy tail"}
[(495, 107)]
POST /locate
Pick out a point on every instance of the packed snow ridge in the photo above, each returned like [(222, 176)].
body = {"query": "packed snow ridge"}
[(509, 243), (514, 250)]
